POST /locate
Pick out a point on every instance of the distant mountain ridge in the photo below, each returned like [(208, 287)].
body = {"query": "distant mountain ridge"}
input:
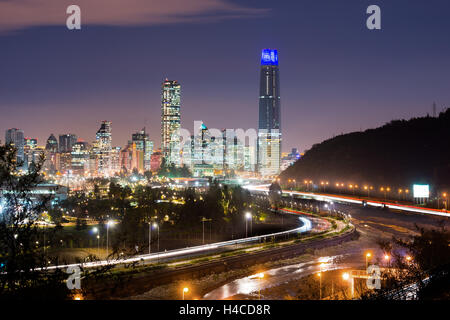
[(399, 153)]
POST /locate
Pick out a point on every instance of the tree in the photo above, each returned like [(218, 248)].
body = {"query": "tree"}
[(423, 261), (20, 257), (275, 193)]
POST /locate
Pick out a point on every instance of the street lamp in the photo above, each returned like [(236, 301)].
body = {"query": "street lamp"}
[(320, 285), (387, 258), (260, 277), (368, 255), (95, 231), (108, 224), (149, 237), (382, 189), (248, 216), (203, 228), (444, 195), (156, 226), (320, 280), (346, 276), (185, 290)]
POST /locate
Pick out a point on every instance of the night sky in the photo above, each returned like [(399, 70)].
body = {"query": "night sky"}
[(336, 75)]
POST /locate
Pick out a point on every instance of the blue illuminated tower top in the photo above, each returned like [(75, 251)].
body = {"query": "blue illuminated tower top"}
[(269, 57)]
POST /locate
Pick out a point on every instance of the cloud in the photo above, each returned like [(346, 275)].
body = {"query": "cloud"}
[(21, 14)]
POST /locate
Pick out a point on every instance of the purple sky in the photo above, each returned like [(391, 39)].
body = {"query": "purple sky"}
[(336, 76)]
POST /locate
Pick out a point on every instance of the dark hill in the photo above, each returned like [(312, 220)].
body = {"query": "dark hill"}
[(399, 153)]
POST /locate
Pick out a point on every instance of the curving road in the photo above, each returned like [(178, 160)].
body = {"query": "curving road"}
[(306, 225)]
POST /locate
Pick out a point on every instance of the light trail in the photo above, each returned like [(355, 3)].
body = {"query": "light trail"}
[(307, 225), (321, 197)]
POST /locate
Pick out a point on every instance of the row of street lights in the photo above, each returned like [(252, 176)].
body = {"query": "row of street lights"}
[(111, 223), (96, 231)]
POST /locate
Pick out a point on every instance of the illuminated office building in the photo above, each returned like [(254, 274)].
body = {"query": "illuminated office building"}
[(269, 127), (80, 158), (102, 149), (170, 121)]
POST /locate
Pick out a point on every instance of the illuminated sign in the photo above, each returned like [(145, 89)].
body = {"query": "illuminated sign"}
[(269, 57), (421, 191)]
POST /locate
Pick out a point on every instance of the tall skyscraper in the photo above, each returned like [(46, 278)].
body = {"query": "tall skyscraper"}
[(103, 149), (269, 127), (66, 141), (15, 137), (170, 121)]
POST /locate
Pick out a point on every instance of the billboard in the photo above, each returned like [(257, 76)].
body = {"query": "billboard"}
[(421, 191)]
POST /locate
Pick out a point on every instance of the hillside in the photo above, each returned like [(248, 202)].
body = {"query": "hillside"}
[(397, 154)]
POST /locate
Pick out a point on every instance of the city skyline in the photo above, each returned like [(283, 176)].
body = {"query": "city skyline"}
[(68, 81)]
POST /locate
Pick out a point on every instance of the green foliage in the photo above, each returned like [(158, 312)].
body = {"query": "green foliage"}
[(428, 267), (172, 171), (275, 194)]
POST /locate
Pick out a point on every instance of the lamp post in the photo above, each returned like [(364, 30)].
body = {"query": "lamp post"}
[(351, 188), (320, 285), (248, 216), (387, 258), (368, 255), (203, 229), (149, 237), (260, 277), (185, 290), (95, 230), (368, 188), (444, 195), (382, 189), (108, 224), (346, 276), (156, 226), (320, 280)]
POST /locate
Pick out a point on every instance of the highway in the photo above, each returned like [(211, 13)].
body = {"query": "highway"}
[(372, 222), (306, 225), (353, 200)]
